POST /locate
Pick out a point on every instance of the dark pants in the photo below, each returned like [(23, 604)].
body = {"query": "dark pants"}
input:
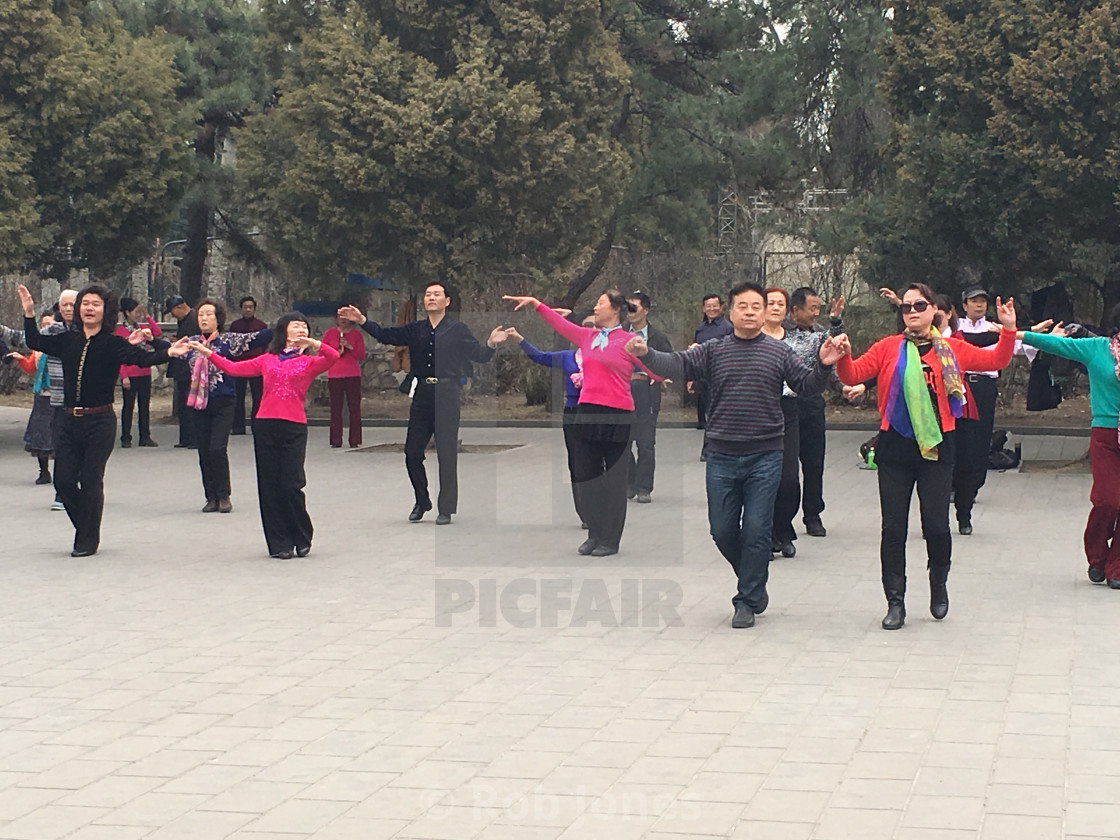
[(600, 471), (280, 447), (139, 393), (434, 411), (255, 385), (1101, 546), (211, 427), (974, 442), (569, 446), (700, 386), (897, 478), (741, 492), (350, 389), (788, 499), (811, 421), (82, 449), (184, 412), (647, 405)]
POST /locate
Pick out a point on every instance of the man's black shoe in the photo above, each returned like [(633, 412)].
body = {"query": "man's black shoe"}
[(182, 446), (1114, 583), (587, 546), (281, 555), (788, 549), (631, 493), (225, 506), (148, 442), (418, 511), (743, 618), (1096, 574), (895, 617), (603, 551), (126, 444), (303, 550), (211, 506), (938, 600), (965, 528), (763, 603), (443, 519), (815, 528), (83, 552)]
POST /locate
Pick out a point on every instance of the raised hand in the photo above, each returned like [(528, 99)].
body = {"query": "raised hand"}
[(26, 301), (179, 349), (352, 313), (522, 301), (1006, 313), (837, 308), (1043, 326), (140, 336), (834, 348), (636, 346), (305, 342), (497, 336), (889, 294), (514, 334)]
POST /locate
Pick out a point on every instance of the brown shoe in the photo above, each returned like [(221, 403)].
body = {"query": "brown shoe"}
[(224, 506), (211, 506)]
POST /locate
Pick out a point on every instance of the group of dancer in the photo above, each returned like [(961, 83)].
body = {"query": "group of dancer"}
[(749, 375)]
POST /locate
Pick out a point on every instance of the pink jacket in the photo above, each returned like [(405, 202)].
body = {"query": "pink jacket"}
[(606, 372), (285, 380), (129, 371)]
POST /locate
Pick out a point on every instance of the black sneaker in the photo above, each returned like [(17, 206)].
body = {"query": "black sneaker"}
[(815, 528), (743, 618), (1096, 574)]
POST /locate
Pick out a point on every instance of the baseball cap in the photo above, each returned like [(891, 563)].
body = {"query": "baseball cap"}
[(975, 291)]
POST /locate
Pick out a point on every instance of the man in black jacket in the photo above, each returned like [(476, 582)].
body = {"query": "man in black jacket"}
[(179, 370), (647, 402), (441, 350)]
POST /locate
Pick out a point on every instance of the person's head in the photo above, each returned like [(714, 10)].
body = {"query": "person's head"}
[(610, 309), (248, 307), (777, 304), (747, 308), (177, 307), (944, 317), (66, 305), (805, 306), (46, 318), (712, 306), (289, 326), (640, 303), (975, 300), (96, 308), (127, 305), (437, 297), (211, 316), (918, 308)]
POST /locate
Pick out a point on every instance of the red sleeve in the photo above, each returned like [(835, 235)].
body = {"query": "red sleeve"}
[(854, 371), (327, 356), (154, 327), (28, 363), (245, 367), (996, 357), (566, 328)]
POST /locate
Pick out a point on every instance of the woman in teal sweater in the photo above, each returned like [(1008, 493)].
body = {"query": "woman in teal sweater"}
[(1101, 357)]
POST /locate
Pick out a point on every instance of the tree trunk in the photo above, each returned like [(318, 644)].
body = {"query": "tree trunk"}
[(583, 282), (199, 219)]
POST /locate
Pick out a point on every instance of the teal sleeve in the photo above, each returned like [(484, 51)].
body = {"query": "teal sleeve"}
[(1078, 349)]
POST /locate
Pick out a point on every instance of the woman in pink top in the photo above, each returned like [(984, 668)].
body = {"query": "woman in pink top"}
[(604, 416), (344, 380), (280, 429), (136, 382)]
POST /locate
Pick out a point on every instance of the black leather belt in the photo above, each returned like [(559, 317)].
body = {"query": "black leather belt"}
[(82, 411), (977, 377)]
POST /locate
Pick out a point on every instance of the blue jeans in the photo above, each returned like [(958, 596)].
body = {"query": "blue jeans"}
[(741, 492)]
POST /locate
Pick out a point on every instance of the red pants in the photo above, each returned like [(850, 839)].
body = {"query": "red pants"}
[(349, 387), (1101, 546)]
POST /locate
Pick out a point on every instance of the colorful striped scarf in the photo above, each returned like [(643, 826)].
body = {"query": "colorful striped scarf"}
[(199, 394), (914, 416)]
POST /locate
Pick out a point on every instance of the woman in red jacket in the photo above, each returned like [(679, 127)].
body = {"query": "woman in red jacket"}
[(921, 395)]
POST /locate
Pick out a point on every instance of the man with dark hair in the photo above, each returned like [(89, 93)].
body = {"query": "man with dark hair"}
[(179, 370), (441, 350), (647, 402), (714, 325), (745, 428), (807, 336), (247, 323)]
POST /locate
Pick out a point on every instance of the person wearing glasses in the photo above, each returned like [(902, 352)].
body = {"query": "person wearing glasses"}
[(647, 401), (921, 394)]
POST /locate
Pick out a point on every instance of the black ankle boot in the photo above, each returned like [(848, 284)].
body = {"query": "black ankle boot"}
[(895, 617), (938, 593)]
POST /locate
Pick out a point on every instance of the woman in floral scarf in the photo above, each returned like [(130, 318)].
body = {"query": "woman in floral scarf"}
[(921, 395)]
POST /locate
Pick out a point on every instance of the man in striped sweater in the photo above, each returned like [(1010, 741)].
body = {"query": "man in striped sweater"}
[(745, 371)]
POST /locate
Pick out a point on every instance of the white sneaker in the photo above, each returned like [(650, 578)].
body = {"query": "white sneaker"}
[(57, 505)]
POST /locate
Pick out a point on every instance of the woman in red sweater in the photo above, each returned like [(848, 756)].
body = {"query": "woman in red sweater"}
[(280, 428), (604, 416), (921, 395)]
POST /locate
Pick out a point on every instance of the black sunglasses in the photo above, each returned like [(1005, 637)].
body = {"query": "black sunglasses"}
[(916, 306)]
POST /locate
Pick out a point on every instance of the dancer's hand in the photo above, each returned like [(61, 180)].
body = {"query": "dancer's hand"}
[(688, 386), (890, 295), (1006, 313), (834, 348), (522, 301), (514, 334), (636, 346), (853, 392), (497, 336), (126, 383), (26, 301), (139, 336), (178, 350), (837, 308), (305, 342), (352, 313)]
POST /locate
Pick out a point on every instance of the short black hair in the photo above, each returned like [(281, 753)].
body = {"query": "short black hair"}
[(801, 295), (743, 288), (280, 331), (640, 297), (241, 302), (128, 304), (447, 290), (108, 297), (618, 302), (219, 311), (711, 295)]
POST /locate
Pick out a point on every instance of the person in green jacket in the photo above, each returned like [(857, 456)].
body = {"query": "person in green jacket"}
[(1101, 357)]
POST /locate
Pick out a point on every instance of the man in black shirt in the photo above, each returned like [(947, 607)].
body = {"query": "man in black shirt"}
[(647, 402), (178, 369), (441, 350), (91, 357)]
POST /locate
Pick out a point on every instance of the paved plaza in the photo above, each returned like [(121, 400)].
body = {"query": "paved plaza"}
[(482, 680)]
